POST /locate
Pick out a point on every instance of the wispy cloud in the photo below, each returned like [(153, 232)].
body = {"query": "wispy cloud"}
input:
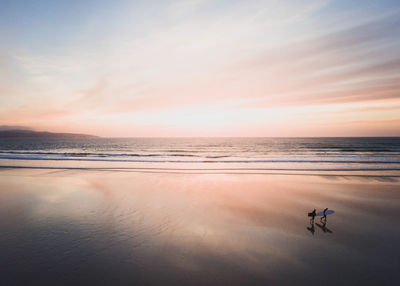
[(178, 63)]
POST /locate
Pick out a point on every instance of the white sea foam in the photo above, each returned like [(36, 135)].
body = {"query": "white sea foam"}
[(208, 153)]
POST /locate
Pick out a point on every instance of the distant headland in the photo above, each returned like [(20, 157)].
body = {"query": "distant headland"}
[(25, 133)]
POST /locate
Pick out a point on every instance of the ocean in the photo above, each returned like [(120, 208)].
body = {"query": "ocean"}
[(291, 154)]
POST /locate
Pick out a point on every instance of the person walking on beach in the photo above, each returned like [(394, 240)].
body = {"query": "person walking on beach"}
[(312, 214), (324, 215)]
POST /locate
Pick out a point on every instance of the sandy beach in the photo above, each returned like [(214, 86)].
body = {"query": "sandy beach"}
[(103, 227)]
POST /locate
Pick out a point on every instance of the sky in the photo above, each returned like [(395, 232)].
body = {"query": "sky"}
[(201, 67)]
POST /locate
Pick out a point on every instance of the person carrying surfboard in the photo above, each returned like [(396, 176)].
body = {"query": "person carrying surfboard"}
[(312, 214), (324, 214)]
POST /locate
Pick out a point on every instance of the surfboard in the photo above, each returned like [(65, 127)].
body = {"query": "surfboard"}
[(328, 212)]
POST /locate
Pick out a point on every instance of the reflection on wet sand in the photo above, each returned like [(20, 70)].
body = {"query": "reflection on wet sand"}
[(311, 228), (322, 226), (195, 229)]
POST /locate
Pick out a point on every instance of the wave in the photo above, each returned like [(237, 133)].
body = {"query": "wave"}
[(342, 172), (88, 154), (166, 160)]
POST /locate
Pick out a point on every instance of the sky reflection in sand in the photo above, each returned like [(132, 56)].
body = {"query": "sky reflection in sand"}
[(114, 227)]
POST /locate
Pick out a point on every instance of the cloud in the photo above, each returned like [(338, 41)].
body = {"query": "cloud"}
[(235, 58), (355, 64)]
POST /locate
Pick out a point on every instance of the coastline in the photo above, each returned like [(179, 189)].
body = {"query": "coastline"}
[(346, 170)]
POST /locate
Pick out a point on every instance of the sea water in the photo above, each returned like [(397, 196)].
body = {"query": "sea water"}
[(301, 154)]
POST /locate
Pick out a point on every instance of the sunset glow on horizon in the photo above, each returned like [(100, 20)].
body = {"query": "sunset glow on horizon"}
[(201, 68)]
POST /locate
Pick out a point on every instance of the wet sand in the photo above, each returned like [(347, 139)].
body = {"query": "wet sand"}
[(64, 227)]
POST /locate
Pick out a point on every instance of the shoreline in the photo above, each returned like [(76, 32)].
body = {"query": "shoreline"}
[(156, 168)]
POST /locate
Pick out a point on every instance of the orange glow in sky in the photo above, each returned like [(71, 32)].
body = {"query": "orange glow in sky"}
[(202, 68)]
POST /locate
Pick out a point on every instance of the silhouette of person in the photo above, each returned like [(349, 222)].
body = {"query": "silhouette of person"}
[(312, 214), (324, 216)]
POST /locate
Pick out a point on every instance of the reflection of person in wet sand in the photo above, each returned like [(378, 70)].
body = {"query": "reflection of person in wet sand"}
[(312, 228), (323, 226)]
